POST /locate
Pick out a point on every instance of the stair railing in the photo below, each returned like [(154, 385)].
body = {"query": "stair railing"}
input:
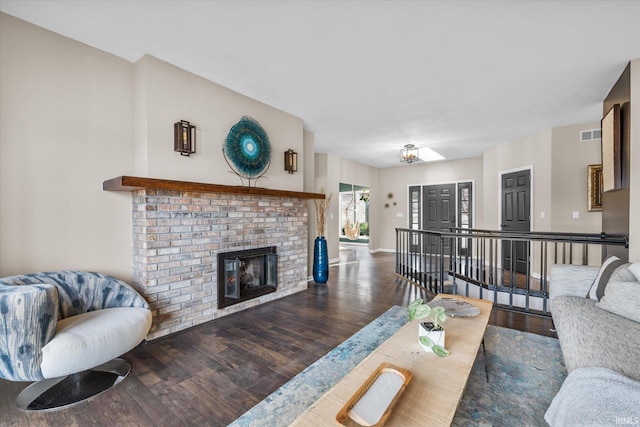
[(511, 268)]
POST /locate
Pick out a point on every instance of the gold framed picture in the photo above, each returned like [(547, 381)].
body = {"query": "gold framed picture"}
[(595, 188)]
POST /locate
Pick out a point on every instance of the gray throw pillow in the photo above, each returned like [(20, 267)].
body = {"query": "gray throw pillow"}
[(623, 274), (608, 267), (635, 270), (623, 299)]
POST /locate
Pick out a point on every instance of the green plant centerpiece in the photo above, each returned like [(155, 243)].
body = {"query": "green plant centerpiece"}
[(431, 330)]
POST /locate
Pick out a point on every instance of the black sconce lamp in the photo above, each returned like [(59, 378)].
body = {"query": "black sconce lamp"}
[(184, 138), (290, 161)]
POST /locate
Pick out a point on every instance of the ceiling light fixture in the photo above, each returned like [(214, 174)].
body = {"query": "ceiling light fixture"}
[(409, 154)]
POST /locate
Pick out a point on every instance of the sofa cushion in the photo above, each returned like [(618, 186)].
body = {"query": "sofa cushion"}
[(623, 299), (635, 270), (595, 397), (90, 339), (592, 337), (606, 270), (569, 279), (623, 274)]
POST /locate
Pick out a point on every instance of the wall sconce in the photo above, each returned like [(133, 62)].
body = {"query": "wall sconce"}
[(290, 161), (409, 154), (184, 138)]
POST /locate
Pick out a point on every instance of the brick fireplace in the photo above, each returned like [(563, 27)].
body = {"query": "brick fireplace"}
[(179, 229)]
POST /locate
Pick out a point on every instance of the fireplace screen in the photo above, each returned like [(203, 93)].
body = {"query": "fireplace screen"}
[(246, 274)]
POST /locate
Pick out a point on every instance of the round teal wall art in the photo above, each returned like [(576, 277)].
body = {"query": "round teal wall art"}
[(247, 149)]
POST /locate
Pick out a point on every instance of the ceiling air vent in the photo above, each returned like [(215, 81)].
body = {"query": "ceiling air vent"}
[(590, 135)]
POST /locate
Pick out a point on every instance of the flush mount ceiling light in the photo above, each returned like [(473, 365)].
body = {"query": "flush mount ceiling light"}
[(409, 154)]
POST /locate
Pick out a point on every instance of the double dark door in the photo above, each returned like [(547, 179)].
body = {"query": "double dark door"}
[(433, 208)]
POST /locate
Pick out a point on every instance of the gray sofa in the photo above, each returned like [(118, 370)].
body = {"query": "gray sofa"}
[(601, 349)]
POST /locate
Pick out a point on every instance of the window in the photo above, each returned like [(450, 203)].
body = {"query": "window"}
[(354, 213)]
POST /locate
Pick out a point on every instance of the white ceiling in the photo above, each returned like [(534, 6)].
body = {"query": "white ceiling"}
[(370, 76)]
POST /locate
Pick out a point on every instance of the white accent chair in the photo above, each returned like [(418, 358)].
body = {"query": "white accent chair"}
[(57, 324)]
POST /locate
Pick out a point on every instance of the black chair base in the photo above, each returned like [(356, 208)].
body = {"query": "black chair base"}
[(58, 393)]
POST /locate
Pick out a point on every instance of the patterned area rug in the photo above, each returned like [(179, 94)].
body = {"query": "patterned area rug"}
[(525, 372)]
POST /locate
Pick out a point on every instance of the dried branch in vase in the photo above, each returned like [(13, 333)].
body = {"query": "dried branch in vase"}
[(322, 206)]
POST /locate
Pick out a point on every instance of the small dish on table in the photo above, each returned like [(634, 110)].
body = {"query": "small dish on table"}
[(454, 307)]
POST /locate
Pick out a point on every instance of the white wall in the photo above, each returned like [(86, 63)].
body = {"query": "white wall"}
[(634, 177), (166, 94), (569, 179), (72, 116), (309, 173), (532, 152), (66, 125), (332, 187)]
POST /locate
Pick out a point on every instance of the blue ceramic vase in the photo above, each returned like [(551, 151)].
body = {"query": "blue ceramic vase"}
[(320, 260)]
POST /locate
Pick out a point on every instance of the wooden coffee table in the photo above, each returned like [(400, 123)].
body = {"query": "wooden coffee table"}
[(432, 396)]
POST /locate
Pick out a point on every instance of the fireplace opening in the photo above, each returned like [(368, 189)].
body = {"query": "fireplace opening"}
[(243, 275)]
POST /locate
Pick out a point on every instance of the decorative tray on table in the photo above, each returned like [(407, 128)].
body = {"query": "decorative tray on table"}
[(456, 308), (372, 403)]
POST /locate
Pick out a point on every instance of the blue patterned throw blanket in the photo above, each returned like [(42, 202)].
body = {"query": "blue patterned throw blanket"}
[(31, 305)]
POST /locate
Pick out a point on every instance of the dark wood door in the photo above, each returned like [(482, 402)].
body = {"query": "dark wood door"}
[(516, 203), (439, 213)]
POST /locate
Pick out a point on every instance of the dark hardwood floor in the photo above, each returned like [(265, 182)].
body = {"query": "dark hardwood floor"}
[(212, 373)]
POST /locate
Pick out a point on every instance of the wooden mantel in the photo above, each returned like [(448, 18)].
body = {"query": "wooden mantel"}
[(131, 183)]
